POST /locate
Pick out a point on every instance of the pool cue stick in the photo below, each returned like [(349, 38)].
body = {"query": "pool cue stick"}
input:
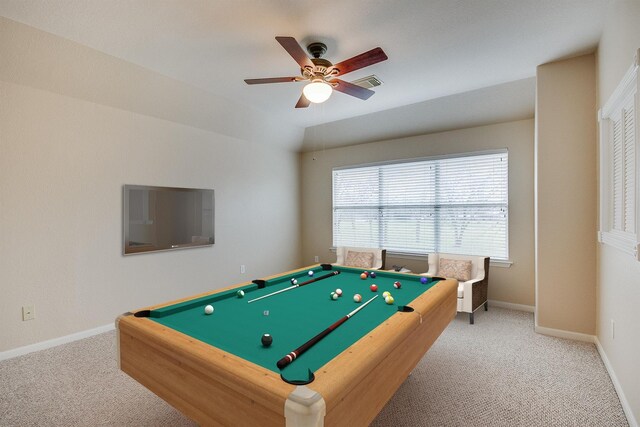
[(333, 273), (313, 341)]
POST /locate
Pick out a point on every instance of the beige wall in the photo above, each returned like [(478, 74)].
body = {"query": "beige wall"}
[(63, 161), (566, 195), (512, 285), (619, 274)]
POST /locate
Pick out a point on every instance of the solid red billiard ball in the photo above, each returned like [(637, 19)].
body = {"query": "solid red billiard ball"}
[(374, 288), (397, 285)]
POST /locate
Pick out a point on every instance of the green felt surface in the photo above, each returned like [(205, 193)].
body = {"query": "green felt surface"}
[(293, 317)]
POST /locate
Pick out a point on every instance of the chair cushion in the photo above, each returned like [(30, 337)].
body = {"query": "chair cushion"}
[(359, 259), (455, 268)]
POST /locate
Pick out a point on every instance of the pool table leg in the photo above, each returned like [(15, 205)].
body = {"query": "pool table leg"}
[(304, 408)]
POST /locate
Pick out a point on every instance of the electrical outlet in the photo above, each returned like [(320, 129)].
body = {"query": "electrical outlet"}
[(613, 329), (242, 269), (28, 312), (316, 258)]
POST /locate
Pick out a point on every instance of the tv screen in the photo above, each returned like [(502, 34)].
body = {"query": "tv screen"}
[(165, 218)]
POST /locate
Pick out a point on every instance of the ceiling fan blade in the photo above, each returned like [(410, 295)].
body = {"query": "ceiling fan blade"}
[(293, 47), (360, 61), (351, 89), (269, 80), (303, 102)]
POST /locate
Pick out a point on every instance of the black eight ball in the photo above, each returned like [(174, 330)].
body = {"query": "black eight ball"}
[(267, 340)]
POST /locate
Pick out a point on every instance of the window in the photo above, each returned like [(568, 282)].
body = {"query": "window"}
[(619, 150), (444, 204)]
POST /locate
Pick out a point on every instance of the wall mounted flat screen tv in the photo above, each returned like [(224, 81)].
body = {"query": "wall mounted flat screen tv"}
[(166, 218)]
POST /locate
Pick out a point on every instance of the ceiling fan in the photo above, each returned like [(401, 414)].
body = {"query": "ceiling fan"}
[(322, 74)]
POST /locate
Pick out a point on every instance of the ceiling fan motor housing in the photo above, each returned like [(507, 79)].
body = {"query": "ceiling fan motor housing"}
[(317, 49)]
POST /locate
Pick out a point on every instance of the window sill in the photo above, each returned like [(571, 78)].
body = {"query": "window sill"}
[(622, 241)]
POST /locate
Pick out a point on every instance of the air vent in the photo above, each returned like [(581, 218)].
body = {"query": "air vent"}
[(368, 82)]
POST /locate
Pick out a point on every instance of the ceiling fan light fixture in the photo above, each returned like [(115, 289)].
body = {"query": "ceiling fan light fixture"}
[(317, 91)]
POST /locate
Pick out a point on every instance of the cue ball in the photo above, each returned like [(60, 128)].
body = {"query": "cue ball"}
[(310, 273), (208, 309), (423, 280), (397, 285), (339, 292), (374, 288), (357, 297), (266, 340), (294, 281), (240, 294), (372, 274)]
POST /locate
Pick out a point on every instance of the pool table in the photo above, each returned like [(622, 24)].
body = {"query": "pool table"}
[(215, 369)]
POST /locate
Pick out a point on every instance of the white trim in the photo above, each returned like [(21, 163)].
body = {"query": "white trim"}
[(622, 242), (616, 385), (500, 263), (511, 306), (624, 98), (576, 336), (21, 351), (621, 92)]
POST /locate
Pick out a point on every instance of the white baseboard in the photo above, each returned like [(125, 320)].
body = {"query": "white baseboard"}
[(511, 306), (20, 351), (576, 336), (616, 384)]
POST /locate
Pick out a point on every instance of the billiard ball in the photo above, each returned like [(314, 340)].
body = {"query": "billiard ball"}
[(339, 292), (310, 273), (423, 280), (240, 293), (357, 297), (374, 288), (386, 294), (372, 274), (208, 309), (266, 340), (397, 285), (334, 296), (389, 300), (366, 273), (363, 276), (294, 281)]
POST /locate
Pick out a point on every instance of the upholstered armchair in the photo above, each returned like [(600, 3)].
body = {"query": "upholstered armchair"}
[(472, 273), (369, 258)]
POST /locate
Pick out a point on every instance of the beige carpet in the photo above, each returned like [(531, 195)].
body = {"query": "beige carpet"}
[(497, 372)]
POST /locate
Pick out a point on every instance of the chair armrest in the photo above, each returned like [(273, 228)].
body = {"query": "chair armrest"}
[(476, 280)]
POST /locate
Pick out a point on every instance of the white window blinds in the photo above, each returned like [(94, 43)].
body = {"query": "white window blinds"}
[(454, 205), (619, 154)]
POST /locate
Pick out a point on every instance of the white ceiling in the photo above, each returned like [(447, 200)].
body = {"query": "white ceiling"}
[(436, 48)]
